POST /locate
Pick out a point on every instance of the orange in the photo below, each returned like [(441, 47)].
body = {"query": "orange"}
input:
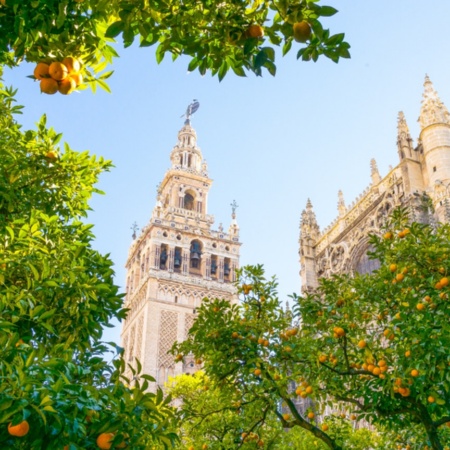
[(353, 417), (286, 416), (257, 372), (362, 344), (72, 64), (247, 288), (376, 371), (104, 440), (235, 334), (420, 306), (58, 71), (77, 77), (311, 415), (19, 430), (324, 427), (444, 281), (67, 86), (399, 277), (438, 285), (388, 235), (255, 31), (41, 71), (393, 267), (302, 31), (49, 86), (407, 353), (51, 155), (322, 358), (123, 444), (414, 373), (309, 390), (431, 399)]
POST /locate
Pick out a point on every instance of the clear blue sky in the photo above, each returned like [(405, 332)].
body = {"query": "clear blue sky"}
[(270, 142)]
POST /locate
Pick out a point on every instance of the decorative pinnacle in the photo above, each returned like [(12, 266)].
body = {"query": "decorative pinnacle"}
[(432, 110), (135, 228), (234, 205)]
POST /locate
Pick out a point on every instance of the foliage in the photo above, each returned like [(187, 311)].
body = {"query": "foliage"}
[(56, 295), (214, 416), (216, 35), (356, 346)]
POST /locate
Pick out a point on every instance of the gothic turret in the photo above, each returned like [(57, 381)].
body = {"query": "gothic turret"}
[(435, 137), (342, 209), (309, 233)]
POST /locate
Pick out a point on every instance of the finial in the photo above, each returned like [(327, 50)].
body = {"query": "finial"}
[(234, 205), (341, 204), (309, 204), (135, 228), (191, 109), (374, 173)]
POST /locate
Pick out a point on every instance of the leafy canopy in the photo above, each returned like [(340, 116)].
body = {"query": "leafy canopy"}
[(56, 295), (371, 348), (216, 35)]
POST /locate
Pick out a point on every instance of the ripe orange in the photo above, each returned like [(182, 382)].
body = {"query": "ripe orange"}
[(382, 363), (286, 416), (309, 390), (393, 267), (353, 417), (444, 281), (58, 71), (324, 427), (246, 288), (257, 372), (322, 358), (77, 77), (19, 430), (67, 86), (235, 334), (302, 31), (104, 440), (362, 344), (407, 353), (41, 71), (339, 331), (204, 446), (388, 235), (376, 371), (255, 31), (399, 277), (72, 64), (51, 155), (49, 86), (311, 415), (438, 285), (431, 399), (414, 373), (420, 306)]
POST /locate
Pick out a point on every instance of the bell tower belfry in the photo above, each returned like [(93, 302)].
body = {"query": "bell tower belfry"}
[(176, 261)]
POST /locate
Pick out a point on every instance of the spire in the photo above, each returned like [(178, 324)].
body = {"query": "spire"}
[(341, 204), (374, 172), (308, 222), (432, 110), (404, 140)]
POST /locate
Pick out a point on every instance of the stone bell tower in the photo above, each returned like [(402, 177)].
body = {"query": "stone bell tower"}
[(176, 261)]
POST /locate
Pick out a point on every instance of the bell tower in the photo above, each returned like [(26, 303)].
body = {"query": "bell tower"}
[(176, 261)]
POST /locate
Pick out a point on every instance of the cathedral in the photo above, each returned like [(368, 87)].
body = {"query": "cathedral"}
[(420, 181), (175, 262)]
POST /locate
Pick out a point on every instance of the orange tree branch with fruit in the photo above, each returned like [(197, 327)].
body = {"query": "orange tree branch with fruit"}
[(381, 342), (253, 349), (56, 295), (216, 35)]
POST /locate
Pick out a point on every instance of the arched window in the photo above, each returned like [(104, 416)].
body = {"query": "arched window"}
[(365, 265), (214, 266), (164, 256), (195, 255), (188, 201), (177, 259), (226, 269)]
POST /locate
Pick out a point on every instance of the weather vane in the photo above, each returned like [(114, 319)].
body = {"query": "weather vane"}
[(191, 109), (234, 205), (134, 227)]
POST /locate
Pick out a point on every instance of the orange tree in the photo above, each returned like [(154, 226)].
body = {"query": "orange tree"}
[(381, 342), (217, 35), (56, 295), (373, 347)]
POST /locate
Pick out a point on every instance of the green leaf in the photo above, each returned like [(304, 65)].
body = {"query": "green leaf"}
[(328, 11), (115, 29)]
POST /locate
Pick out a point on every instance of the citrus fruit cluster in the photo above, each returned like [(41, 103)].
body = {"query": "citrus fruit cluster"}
[(63, 77)]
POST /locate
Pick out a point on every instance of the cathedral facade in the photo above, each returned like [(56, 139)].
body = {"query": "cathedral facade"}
[(175, 262), (420, 180)]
